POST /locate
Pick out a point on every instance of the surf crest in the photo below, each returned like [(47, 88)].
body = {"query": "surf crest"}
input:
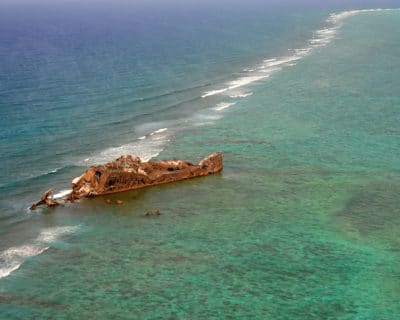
[(268, 67), (145, 147), (12, 258), (223, 105)]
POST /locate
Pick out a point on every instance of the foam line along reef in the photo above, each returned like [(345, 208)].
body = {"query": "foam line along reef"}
[(264, 70), (12, 258)]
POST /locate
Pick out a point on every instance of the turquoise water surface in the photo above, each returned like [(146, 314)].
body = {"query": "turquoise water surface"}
[(304, 221)]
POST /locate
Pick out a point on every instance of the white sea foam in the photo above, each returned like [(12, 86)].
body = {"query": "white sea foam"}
[(280, 62), (12, 258), (137, 149), (55, 170), (153, 140), (243, 81), (302, 52), (39, 174), (251, 76), (269, 66), (161, 130), (223, 105), (158, 131), (144, 147), (340, 16), (49, 235), (62, 193), (240, 95), (202, 119), (214, 92), (237, 83)]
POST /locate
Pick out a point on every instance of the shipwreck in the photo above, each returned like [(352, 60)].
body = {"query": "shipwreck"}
[(128, 173)]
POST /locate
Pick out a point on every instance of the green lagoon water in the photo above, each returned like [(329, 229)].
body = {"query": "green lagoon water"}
[(303, 223)]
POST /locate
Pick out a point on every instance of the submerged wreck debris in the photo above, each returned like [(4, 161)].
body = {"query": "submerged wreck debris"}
[(149, 213), (128, 173), (46, 199)]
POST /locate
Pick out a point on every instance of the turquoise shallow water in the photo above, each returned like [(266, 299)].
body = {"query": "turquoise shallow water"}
[(303, 223)]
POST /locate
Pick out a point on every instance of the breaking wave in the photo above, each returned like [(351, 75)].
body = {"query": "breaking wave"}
[(159, 131), (223, 105), (150, 144), (12, 258), (268, 67), (35, 176), (145, 147), (62, 194), (240, 95)]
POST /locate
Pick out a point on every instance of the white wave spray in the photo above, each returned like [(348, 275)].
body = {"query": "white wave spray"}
[(145, 147), (151, 143), (12, 258), (268, 67), (223, 105)]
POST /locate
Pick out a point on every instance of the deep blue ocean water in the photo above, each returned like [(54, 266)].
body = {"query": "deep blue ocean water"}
[(304, 102)]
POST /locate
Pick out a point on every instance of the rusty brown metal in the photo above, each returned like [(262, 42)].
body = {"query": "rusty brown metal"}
[(128, 173)]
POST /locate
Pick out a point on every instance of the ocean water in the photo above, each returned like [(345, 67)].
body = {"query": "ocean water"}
[(304, 102)]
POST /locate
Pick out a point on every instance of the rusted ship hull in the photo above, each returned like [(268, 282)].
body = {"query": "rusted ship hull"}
[(128, 173)]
